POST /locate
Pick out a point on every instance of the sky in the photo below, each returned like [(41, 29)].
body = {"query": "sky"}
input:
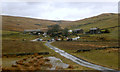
[(71, 11)]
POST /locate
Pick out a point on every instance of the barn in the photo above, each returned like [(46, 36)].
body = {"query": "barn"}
[(94, 30), (78, 31), (34, 32)]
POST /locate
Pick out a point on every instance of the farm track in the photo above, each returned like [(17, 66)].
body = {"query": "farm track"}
[(78, 60)]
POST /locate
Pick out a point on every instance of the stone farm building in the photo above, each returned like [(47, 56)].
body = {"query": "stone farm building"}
[(79, 31), (34, 32), (94, 30)]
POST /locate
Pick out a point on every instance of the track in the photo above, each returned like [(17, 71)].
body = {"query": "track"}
[(80, 61)]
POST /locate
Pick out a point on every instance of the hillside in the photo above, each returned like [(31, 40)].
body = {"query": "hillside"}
[(106, 20), (21, 23), (102, 21)]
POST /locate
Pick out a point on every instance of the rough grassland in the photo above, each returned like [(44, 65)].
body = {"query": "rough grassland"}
[(20, 23), (13, 43), (106, 57)]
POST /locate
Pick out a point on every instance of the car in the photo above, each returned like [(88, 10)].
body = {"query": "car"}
[(39, 39), (53, 39), (59, 39), (49, 40)]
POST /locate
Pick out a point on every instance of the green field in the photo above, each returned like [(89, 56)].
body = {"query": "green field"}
[(13, 35), (107, 57), (100, 21)]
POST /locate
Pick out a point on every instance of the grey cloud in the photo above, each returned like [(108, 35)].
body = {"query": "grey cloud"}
[(58, 11)]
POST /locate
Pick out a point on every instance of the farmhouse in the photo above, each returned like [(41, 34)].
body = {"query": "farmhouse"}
[(34, 32), (80, 31), (70, 31), (94, 30)]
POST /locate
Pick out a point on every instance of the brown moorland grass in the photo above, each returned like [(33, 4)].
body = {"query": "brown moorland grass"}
[(20, 23)]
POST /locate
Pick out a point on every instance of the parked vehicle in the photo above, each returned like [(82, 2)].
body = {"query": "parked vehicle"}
[(59, 39), (49, 40), (39, 39), (53, 39), (69, 39)]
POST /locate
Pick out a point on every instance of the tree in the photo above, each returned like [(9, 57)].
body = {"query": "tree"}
[(53, 31), (65, 31)]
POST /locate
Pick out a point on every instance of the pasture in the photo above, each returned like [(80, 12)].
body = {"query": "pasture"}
[(13, 43), (13, 35), (106, 57)]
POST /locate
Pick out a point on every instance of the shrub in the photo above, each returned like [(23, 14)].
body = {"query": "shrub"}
[(46, 59), (58, 68), (14, 65), (70, 66), (39, 57)]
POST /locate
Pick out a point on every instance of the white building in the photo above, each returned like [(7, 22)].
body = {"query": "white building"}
[(69, 30)]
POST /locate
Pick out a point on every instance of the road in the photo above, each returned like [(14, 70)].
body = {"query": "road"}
[(78, 60)]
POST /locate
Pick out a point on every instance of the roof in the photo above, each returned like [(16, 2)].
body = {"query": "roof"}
[(78, 29), (94, 28), (32, 30)]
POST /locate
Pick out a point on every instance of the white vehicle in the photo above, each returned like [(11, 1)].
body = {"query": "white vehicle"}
[(76, 38), (53, 39), (45, 36), (39, 39), (59, 39)]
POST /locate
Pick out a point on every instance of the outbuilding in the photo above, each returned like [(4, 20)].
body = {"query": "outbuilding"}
[(34, 32), (79, 31), (94, 30)]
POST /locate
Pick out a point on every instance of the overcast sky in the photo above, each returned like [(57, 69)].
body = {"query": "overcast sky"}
[(58, 10)]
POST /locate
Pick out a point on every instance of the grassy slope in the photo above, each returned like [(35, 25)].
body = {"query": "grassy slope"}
[(20, 23), (102, 57), (101, 21)]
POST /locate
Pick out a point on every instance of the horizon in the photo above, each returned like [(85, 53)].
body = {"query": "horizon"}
[(68, 11), (54, 20)]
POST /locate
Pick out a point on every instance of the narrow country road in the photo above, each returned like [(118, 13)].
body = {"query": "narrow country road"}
[(78, 60)]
